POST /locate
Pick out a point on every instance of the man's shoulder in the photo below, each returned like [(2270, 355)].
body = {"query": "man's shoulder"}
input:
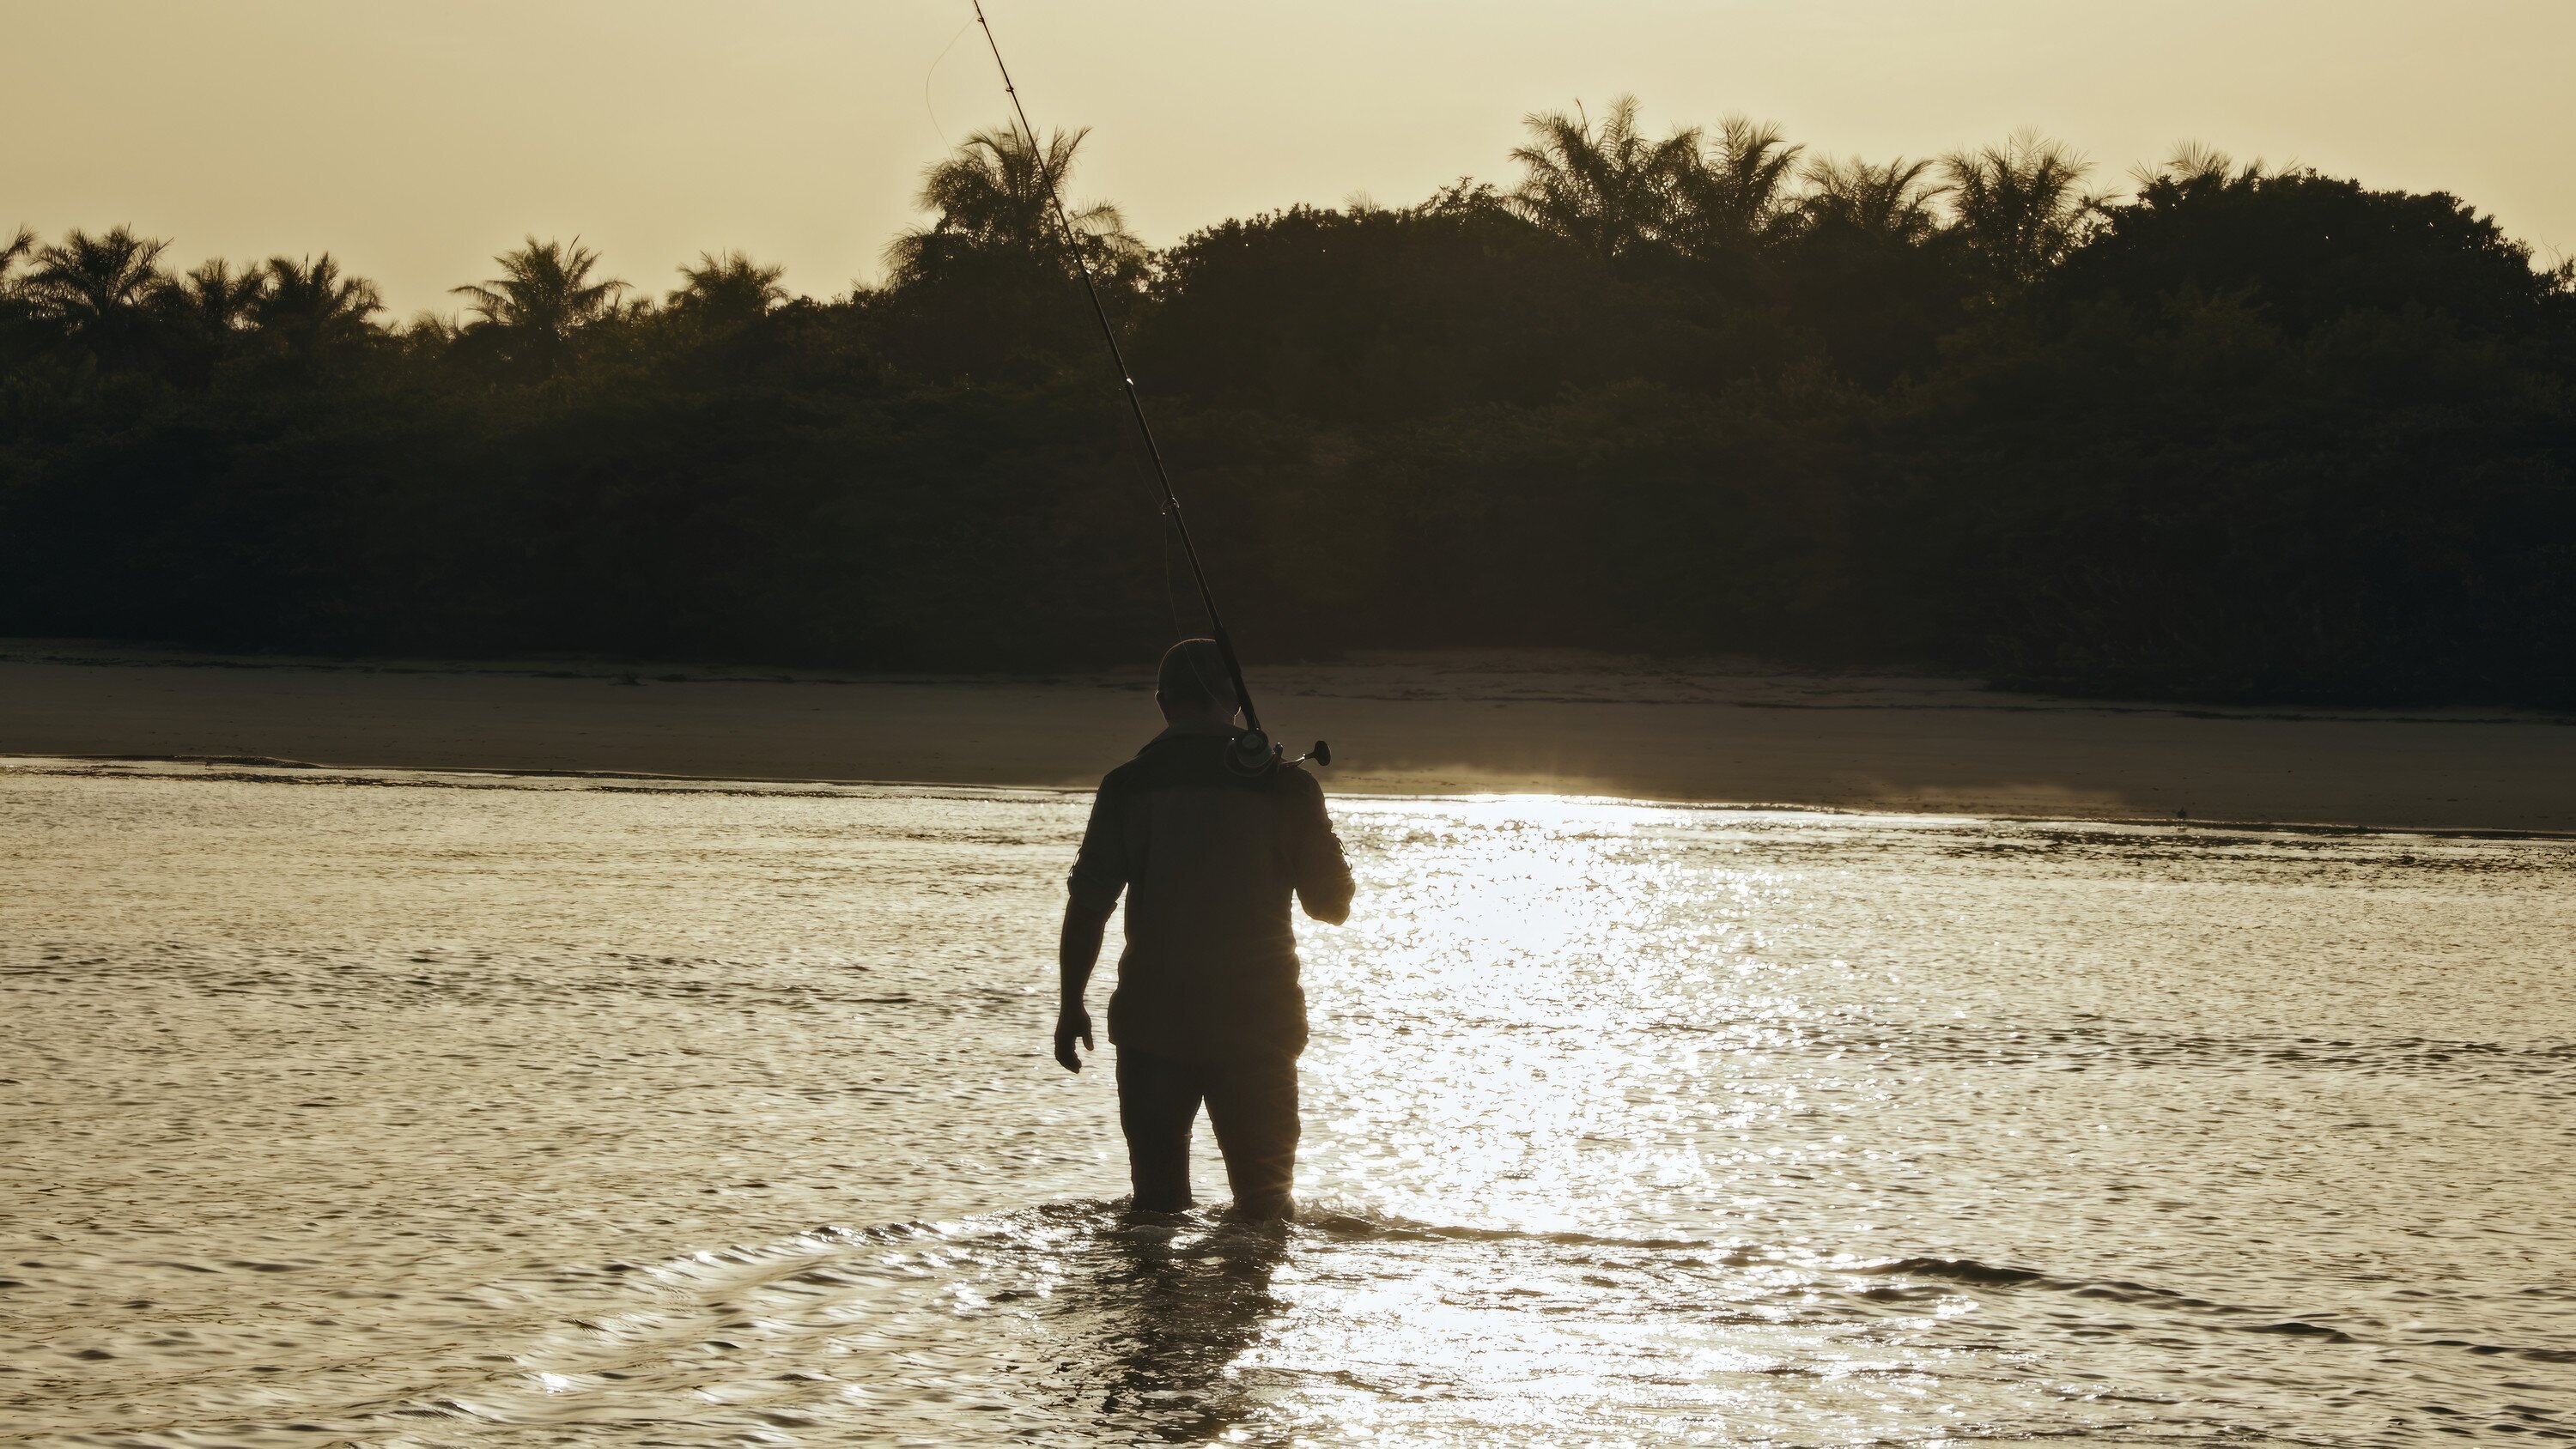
[(1162, 761), (1293, 781), (1193, 760), (1123, 777)]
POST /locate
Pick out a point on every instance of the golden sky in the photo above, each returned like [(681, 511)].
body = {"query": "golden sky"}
[(414, 139)]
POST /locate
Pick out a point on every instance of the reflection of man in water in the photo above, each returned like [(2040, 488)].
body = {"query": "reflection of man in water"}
[(1207, 1006), (1173, 1316)]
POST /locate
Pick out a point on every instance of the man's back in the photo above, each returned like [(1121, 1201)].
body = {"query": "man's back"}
[(1208, 1011), (1210, 860)]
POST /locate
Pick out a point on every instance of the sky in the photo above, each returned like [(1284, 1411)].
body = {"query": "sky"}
[(414, 140)]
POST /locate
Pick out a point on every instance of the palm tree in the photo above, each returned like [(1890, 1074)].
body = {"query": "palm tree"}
[(992, 196), (96, 285), (427, 334), (213, 299), (728, 288), (2017, 205), (310, 306), (544, 296), (2194, 161), (1892, 202), (1608, 189), (1736, 193), (10, 255), (13, 306), (2195, 168)]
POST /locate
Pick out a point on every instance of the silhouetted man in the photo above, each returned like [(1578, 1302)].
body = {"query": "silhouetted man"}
[(1208, 1008)]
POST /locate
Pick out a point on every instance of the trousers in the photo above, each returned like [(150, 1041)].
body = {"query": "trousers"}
[(1252, 1105)]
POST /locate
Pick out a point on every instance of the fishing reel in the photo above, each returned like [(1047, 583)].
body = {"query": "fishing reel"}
[(1252, 756)]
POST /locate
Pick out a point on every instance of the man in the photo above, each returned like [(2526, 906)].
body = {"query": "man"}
[(1208, 1008)]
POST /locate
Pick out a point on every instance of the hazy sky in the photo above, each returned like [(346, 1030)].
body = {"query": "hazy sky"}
[(415, 139)]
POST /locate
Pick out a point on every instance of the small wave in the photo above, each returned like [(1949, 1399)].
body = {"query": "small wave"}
[(2235, 1317), (1362, 1224), (1962, 1270), (1332, 1219), (2536, 1064)]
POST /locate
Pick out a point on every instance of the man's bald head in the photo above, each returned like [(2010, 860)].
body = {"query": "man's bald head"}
[(1193, 681)]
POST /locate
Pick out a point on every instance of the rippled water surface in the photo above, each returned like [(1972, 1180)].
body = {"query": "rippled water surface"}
[(410, 1109)]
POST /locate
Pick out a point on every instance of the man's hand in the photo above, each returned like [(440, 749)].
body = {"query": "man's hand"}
[(1072, 1024), (1077, 951)]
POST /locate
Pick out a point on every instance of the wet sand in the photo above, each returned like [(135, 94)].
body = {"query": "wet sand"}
[(1447, 724)]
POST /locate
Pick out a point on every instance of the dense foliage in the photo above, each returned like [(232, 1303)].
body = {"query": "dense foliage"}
[(2245, 434)]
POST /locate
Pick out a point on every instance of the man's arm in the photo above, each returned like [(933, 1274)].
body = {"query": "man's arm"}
[(1099, 875), (1323, 877), (1077, 951)]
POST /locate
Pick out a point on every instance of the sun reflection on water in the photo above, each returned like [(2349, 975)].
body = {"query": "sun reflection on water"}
[(1532, 977)]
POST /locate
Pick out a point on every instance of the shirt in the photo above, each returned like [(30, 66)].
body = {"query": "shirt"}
[(1209, 860)]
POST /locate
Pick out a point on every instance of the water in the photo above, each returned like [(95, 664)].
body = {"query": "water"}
[(410, 1109)]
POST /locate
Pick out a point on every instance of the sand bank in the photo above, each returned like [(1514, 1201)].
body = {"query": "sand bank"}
[(1461, 723)]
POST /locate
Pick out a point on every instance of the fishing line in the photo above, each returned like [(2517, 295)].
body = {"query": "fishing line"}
[(932, 74), (1251, 752)]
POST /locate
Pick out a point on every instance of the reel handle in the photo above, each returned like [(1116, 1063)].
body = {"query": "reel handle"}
[(1253, 755)]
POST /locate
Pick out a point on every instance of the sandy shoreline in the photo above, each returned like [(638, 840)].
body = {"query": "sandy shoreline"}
[(1446, 724)]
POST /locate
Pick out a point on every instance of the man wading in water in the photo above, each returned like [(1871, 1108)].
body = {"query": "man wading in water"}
[(1207, 1006)]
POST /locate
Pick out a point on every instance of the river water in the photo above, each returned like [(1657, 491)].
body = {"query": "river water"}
[(409, 1109)]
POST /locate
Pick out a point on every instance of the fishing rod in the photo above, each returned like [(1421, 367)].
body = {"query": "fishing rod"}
[(1252, 753)]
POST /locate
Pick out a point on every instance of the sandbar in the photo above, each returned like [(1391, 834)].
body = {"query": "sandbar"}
[(1559, 722)]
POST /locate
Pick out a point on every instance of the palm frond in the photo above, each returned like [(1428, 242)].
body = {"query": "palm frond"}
[(992, 195), (2018, 206), (544, 287), (17, 249), (89, 280), (1893, 201), (730, 286), (1735, 193), (311, 305), (1606, 187)]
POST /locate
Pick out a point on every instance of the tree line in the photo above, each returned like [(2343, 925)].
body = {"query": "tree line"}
[(2237, 433)]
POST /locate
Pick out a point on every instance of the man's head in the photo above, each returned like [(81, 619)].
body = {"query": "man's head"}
[(1192, 685)]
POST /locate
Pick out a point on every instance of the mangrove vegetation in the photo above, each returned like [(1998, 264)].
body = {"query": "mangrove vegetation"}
[(2216, 431)]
